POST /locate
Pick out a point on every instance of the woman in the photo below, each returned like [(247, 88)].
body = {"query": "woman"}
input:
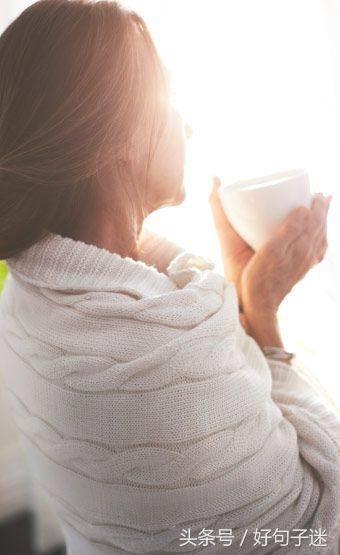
[(147, 413)]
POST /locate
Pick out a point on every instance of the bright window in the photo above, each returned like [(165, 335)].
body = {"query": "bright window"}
[(256, 80)]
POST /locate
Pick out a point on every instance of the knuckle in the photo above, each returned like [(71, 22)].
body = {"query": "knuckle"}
[(302, 212), (274, 252), (318, 221), (297, 220), (303, 244)]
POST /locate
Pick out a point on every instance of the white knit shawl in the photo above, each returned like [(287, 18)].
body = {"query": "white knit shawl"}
[(145, 409)]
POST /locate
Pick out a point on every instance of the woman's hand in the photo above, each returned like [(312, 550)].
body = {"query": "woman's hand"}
[(236, 253), (264, 278), (298, 244)]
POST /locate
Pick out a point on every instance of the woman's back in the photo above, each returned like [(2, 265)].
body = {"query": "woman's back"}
[(146, 410)]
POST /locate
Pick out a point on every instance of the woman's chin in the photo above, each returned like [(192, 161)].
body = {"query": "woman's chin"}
[(175, 200), (180, 196)]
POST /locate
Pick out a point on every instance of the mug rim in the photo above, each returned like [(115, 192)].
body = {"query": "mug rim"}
[(260, 182)]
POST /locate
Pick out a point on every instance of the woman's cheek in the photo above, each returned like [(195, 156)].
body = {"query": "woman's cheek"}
[(166, 175)]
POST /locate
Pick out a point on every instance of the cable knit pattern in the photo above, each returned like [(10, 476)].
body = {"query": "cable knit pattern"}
[(145, 409)]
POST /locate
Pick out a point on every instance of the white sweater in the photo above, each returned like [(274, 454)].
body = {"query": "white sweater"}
[(146, 410)]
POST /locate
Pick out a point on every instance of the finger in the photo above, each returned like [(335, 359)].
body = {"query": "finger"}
[(302, 248), (222, 223), (291, 228), (220, 217), (321, 197), (301, 236), (321, 249), (319, 210), (318, 207), (306, 252), (214, 197), (296, 220), (304, 227), (321, 244)]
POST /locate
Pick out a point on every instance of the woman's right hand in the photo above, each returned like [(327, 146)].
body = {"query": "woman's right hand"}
[(299, 243)]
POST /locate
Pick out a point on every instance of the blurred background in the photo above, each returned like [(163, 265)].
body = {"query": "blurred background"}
[(259, 83)]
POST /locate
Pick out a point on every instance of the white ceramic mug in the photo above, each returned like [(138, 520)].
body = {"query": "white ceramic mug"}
[(255, 207)]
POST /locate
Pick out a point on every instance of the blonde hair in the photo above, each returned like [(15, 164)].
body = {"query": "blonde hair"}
[(78, 79)]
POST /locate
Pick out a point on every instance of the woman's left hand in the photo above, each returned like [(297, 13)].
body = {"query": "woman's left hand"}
[(236, 253)]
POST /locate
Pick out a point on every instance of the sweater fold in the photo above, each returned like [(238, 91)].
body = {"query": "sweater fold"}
[(145, 409)]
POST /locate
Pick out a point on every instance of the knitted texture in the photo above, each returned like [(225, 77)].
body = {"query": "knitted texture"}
[(145, 409)]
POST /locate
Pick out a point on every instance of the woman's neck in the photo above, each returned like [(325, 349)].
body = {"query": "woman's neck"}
[(115, 235)]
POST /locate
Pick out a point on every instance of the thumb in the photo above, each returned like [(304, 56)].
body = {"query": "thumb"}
[(228, 237), (219, 215), (214, 196)]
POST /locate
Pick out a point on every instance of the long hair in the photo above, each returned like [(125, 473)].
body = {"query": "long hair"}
[(81, 87)]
